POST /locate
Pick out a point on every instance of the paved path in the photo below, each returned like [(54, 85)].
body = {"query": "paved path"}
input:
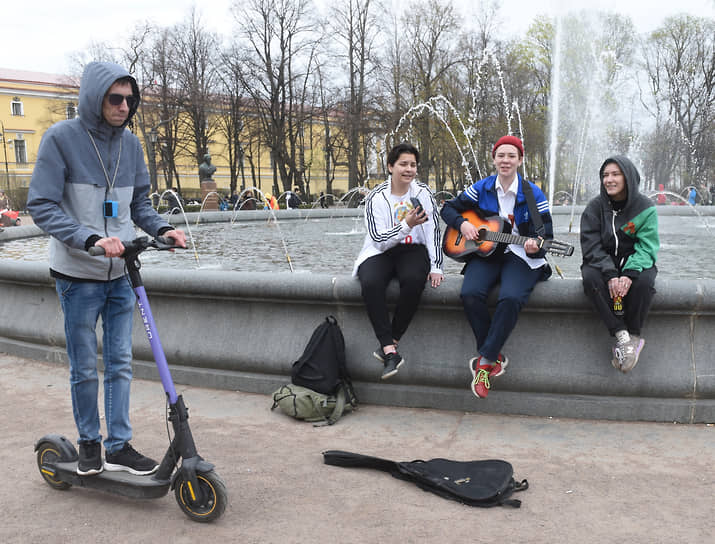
[(590, 481)]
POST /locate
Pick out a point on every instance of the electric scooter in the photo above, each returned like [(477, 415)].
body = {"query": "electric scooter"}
[(198, 489)]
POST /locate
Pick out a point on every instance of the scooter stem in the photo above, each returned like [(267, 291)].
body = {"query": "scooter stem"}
[(156, 348)]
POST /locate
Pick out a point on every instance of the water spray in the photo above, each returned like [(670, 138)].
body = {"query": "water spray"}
[(186, 221)]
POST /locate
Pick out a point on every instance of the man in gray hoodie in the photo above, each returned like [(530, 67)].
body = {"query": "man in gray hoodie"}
[(89, 187)]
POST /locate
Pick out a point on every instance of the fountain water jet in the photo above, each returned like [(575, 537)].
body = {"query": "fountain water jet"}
[(183, 213)]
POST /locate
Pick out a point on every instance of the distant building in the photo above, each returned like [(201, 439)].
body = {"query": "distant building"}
[(30, 102)]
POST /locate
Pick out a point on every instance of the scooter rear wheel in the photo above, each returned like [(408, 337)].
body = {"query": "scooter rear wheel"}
[(213, 491), (48, 454)]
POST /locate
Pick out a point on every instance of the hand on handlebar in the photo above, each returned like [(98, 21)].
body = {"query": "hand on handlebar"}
[(178, 237), (112, 247)]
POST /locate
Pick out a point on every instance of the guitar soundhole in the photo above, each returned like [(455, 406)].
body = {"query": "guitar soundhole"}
[(482, 232)]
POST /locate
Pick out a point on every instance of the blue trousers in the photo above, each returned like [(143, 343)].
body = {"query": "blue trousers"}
[(82, 304), (516, 281)]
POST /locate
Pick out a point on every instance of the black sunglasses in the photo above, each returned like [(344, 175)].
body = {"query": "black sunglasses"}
[(116, 99)]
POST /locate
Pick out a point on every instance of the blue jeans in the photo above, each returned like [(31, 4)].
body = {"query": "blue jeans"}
[(516, 281), (82, 304)]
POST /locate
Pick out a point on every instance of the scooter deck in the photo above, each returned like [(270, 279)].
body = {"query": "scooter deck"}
[(120, 482)]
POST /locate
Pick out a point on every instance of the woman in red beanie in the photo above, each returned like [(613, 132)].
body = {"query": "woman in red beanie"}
[(516, 268)]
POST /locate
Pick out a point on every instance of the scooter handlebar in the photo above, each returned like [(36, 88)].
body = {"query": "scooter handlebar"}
[(138, 245), (164, 242)]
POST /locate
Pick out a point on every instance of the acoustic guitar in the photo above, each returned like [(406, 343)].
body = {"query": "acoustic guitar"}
[(493, 230)]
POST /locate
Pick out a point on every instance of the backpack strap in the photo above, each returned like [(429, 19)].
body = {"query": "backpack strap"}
[(347, 384), (533, 212), (337, 411)]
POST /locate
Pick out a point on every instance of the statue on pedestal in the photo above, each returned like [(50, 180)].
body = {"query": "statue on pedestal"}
[(206, 169), (208, 185)]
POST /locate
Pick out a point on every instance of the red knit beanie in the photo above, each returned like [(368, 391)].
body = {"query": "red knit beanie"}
[(513, 140)]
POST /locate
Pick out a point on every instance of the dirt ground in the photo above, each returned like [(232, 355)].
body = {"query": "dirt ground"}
[(590, 481)]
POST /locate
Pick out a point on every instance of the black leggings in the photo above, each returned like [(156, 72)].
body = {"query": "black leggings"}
[(409, 263), (635, 304)]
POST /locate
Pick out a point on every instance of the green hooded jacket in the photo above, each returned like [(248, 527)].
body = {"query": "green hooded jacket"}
[(620, 242)]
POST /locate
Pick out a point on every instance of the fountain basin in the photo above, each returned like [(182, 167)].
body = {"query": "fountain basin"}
[(243, 330)]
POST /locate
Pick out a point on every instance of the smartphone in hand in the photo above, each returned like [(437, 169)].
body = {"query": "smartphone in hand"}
[(416, 204)]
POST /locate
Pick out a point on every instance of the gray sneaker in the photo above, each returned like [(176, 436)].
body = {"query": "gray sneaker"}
[(625, 355), (614, 360)]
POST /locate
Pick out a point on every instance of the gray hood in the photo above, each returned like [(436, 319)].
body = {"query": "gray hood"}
[(97, 78)]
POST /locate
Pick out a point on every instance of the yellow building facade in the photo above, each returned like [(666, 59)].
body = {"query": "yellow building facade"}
[(30, 102)]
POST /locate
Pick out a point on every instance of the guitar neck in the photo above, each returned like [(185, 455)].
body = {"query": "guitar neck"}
[(503, 237)]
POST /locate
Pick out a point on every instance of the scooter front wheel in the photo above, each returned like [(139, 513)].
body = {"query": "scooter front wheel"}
[(213, 492), (48, 454)]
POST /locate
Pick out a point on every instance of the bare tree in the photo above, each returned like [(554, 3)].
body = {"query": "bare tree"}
[(275, 37), (234, 112), (138, 62), (301, 107), (194, 50), (432, 28), (661, 153), (333, 141), (680, 64), (166, 98), (532, 88), (354, 27), (391, 75)]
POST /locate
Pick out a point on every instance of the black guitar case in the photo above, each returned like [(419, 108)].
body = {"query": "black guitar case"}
[(475, 483)]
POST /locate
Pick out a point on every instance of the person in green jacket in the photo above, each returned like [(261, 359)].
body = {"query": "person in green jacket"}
[(619, 243)]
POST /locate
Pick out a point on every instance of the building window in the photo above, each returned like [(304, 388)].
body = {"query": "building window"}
[(20, 152), (16, 107), (71, 110)]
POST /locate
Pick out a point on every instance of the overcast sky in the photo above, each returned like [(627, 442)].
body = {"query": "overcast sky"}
[(40, 35)]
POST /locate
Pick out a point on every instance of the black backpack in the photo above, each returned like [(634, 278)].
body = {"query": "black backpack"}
[(322, 366), (475, 483)]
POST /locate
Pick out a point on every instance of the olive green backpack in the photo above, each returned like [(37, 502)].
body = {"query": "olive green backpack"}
[(303, 403)]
